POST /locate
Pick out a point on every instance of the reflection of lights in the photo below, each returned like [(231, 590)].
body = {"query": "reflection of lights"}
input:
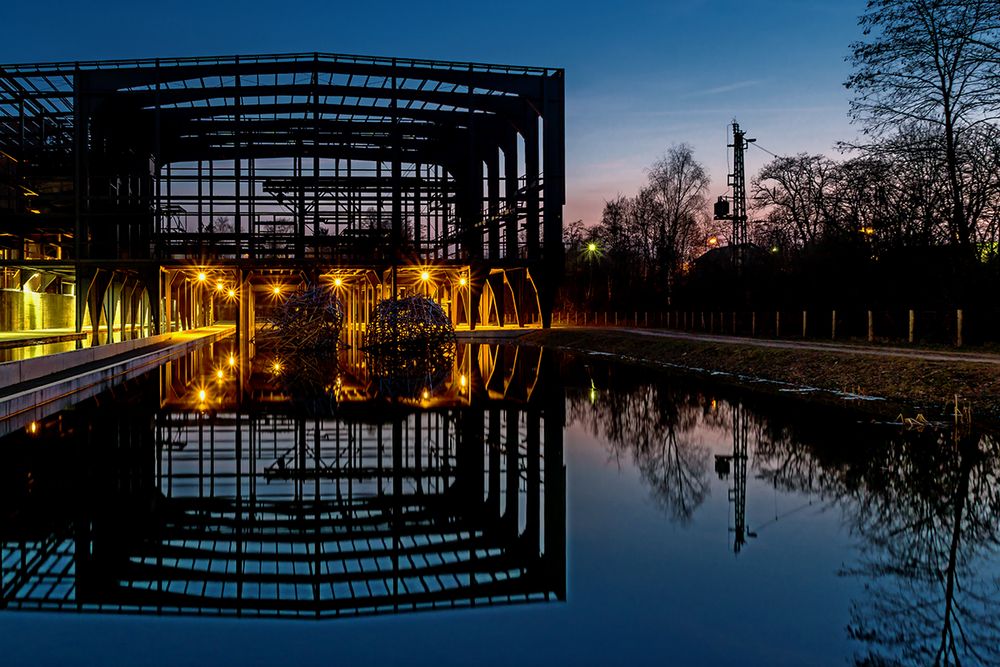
[(33, 428), (338, 282), (425, 276), (201, 395), (232, 360), (593, 393), (462, 281), (202, 277)]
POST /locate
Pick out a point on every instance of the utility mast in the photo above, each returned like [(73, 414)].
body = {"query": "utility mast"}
[(738, 182)]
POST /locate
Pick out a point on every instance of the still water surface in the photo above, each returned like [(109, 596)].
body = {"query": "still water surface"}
[(495, 505)]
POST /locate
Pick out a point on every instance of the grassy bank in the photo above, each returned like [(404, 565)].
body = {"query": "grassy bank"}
[(905, 385)]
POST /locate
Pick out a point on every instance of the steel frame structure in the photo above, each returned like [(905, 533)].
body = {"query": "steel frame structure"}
[(127, 175)]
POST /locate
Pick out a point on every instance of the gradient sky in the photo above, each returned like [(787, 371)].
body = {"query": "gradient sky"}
[(640, 76)]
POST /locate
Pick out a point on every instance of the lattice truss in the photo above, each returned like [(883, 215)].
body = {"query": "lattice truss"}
[(288, 156)]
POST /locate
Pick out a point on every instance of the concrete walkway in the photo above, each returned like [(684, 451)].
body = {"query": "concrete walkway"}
[(838, 348), (35, 388)]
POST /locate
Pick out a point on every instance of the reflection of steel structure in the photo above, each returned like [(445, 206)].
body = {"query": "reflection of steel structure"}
[(738, 462), (250, 512), (133, 178)]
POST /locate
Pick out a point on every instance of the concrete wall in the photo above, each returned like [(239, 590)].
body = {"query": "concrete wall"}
[(26, 311)]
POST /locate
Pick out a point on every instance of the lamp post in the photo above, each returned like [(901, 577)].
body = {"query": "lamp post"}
[(591, 253)]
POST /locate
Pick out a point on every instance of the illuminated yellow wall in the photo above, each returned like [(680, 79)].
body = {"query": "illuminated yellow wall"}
[(26, 311)]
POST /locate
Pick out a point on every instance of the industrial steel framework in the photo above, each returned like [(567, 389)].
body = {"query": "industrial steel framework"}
[(162, 192)]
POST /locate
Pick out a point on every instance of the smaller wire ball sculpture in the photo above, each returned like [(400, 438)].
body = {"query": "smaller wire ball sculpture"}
[(307, 320), (414, 324)]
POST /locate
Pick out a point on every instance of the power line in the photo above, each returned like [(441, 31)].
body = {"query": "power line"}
[(772, 154)]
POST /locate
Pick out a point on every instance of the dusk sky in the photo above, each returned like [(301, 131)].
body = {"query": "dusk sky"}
[(639, 76)]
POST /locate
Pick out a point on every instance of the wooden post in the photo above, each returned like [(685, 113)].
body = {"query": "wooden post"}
[(913, 319), (833, 325), (753, 324), (871, 327), (645, 319), (777, 324), (958, 322), (805, 317)]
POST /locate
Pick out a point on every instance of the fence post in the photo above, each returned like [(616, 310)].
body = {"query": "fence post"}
[(753, 324), (777, 324), (913, 319), (833, 325), (645, 319), (733, 332), (871, 327), (959, 316), (616, 318), (805, 316)]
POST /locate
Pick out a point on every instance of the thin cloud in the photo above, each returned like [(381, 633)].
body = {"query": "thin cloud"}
[(728, 88)]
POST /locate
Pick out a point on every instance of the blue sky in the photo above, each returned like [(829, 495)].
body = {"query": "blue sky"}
[(640, 76)]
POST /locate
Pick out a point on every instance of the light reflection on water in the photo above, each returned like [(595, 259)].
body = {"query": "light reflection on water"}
[(692, 524)]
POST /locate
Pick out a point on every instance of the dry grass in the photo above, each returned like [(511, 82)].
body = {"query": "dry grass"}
[(905, 383)]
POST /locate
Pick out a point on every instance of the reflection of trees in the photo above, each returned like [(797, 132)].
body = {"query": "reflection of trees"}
[(927, 518), (655, 428), (924, 506), (925, 509)]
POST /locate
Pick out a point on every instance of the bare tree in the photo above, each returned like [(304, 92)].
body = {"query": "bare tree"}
[(679, 183), (797, 193), (929, 63)]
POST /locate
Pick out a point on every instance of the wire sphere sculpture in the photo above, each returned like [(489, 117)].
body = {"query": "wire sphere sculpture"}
[(412, 373), (414, 324), (307, 320)]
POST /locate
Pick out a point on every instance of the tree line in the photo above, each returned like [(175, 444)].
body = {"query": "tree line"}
[(909, 213)]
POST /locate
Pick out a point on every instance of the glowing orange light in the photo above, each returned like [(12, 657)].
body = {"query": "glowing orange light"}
[(713, 241), (426, 394), (591, 247), (219, 374), (425, 276), (232, 360), (202, 277), (462, 381), (277, 290), (33, 428), (201, 395), (337, 282), (276, 366), (231, 293), (462, 281), (219, 286)]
